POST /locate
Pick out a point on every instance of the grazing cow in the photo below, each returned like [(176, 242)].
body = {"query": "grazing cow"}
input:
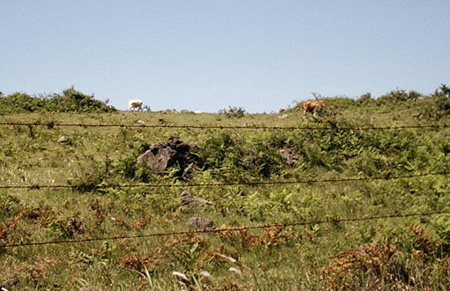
[(135, 105), (310, 106)]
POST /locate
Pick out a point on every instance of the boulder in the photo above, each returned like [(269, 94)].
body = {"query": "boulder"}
[(164, 155)]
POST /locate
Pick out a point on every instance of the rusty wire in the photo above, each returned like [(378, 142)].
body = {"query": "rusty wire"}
[(218, 230), (255, 127), (260, 183)]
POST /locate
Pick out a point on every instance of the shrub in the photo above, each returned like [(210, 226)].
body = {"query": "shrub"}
[(71, 100), (398, 96), (438, 104), (19, 103), (237, 112), (215, 149), (74, 101)]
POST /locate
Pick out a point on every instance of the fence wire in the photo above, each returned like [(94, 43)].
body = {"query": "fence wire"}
[(253, 127), (220, 230), (188, 185), (261, 183)]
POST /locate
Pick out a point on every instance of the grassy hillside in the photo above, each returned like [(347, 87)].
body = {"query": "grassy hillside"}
[(242, 168)]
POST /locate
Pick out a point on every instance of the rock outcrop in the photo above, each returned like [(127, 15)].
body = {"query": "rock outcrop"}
[(163, 155)]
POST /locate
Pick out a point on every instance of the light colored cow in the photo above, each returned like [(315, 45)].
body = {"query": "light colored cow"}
[(135, 105)]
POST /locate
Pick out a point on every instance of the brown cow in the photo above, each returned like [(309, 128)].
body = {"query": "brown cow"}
[(309, 106), (135, 105)]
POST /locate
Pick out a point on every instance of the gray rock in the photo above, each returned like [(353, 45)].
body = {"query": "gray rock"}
[(200, 223), (164, 155), (64, 139), (159, 158), (192, 202)]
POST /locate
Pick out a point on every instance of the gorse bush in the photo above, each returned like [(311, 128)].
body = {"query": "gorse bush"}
[(236, 112), (74, 101), (20, 102), (398, 96), (70, 100)]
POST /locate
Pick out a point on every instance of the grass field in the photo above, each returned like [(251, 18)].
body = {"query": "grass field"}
[(403, 253)]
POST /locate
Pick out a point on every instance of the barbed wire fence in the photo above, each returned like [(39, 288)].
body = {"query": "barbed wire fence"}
[(51, 125), (259, 183), (219, 230)]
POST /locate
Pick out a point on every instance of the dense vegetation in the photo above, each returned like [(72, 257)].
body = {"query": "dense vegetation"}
[(70, 100), (398, 253)]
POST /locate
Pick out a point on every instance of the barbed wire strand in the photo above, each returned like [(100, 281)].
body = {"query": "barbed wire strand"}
[(262, 183), (256, 127), (219, 230)]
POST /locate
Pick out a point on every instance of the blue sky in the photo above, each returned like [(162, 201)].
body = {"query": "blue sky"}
[(207, 55)]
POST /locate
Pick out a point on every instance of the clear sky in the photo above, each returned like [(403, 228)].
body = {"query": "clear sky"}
[(207, 55)]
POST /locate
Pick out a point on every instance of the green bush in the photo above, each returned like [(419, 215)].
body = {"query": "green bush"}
[(236, 112), (435, 107), (398, 96), (71, 100), (19, 103)]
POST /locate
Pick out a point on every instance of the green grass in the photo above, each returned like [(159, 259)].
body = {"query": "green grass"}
[(407, 253)]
